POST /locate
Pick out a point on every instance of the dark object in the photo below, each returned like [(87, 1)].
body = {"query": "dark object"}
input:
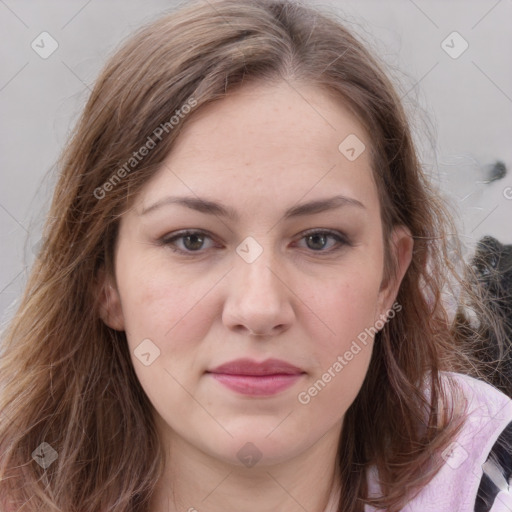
[(496, 172), (492, 263)]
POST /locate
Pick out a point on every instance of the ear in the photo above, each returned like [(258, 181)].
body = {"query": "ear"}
[(110, 309), (401, 247)]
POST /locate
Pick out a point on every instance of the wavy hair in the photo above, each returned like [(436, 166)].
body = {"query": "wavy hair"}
[(68, 379)]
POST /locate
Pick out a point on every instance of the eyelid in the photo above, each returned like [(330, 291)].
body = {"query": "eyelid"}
[(176, 235), (327, 231), (342, 239)]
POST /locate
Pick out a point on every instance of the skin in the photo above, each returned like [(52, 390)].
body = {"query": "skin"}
[(259, 151)]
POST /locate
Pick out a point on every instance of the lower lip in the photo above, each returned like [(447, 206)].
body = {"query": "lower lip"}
[(257, 385)]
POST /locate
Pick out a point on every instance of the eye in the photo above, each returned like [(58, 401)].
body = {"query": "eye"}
[(317, 240), (192, 241)]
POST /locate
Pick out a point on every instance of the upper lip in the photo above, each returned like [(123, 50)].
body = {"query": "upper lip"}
[(251, 367)]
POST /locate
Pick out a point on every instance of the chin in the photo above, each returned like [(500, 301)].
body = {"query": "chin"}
[(253, 446)]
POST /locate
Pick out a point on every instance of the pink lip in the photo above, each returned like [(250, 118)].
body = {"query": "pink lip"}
[(258, 379)]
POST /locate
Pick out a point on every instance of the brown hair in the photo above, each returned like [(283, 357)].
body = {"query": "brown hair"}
[(68, 378)]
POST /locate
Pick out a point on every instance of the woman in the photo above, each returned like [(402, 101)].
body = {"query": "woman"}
[(237, 305)]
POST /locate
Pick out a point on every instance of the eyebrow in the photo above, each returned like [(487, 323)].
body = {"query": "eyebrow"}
[(214, 208)]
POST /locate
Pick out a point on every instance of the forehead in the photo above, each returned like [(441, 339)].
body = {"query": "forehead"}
[(279, 142)]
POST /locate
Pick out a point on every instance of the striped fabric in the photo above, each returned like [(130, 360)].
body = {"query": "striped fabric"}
[(496, 477)]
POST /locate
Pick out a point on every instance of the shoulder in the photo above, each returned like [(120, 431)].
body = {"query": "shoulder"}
[(496, 470), (486, 407), (488, 412), (477, 390)]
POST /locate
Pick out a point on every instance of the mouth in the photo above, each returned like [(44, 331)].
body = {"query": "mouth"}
[(249, 377)]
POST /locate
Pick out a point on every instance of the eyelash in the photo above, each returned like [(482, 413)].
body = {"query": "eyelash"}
[(340, 238)]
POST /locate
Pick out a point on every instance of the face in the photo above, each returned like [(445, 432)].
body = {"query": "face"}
[(285, 263)]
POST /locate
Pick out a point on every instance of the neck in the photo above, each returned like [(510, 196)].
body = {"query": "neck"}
[(194, 481)]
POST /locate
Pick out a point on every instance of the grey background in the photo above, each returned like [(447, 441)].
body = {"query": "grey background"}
[(461, 108)]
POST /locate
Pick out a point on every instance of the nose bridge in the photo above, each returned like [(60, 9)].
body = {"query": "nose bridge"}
[(255, 267), (258, 296)]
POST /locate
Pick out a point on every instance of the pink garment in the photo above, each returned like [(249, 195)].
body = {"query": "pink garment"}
[(455, 487)]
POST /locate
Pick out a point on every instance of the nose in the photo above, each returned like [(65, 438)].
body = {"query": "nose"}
[(259, 298)]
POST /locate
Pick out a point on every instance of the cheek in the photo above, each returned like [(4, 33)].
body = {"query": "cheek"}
[(162, 305), (343, 342), (346, 307)]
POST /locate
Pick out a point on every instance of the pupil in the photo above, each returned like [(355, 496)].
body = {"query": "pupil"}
[(194, 246), (317, 236)]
